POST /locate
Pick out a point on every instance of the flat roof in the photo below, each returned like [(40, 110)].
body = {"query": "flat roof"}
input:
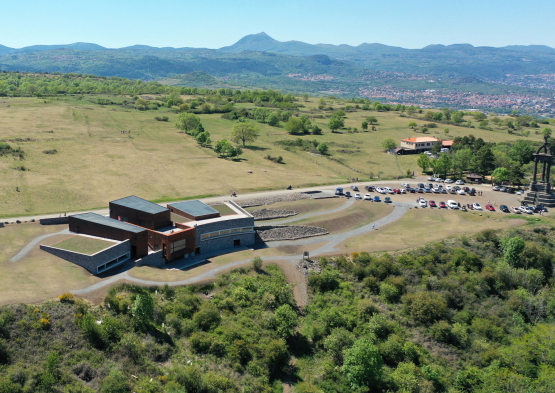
[(195, 208), (134, 202), (109, 222), (421, 139)]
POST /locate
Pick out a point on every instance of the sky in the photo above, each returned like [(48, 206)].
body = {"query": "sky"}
[(218, 23)]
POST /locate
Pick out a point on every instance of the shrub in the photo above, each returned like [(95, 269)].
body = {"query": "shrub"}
[(257, 263), (162, 118), (389, 292), (67, 298), (427, 307), (441, 331), (363, 364), (115, 383), (208, 317), (336, 342), (4, 353)]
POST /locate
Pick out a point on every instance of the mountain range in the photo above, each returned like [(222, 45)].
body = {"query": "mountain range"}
[(259, 60)]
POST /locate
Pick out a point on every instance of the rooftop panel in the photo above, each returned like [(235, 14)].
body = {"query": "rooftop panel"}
[(195, 208), (134, 202), (109, 222)]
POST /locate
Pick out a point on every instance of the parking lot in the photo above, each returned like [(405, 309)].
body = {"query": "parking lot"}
[(488, 195)]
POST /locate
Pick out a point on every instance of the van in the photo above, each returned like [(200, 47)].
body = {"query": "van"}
[(452, 204), (339, 191)]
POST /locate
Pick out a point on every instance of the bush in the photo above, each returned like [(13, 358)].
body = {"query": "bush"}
[(208, 317), (67, 298), (426, 307), (257, 263), (389, 292), (441, 331), (163, 118), (115, 383)]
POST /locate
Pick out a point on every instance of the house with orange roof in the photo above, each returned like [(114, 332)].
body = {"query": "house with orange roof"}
[(421, 144)]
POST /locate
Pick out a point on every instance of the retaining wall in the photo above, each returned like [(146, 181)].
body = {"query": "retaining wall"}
[(91, 262), (155, 259)]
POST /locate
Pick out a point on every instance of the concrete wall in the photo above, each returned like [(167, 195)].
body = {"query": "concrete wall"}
[(90, 262), (54, 221), (225, 242)]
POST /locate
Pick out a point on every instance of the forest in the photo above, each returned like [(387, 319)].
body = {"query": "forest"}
[(468, 314)]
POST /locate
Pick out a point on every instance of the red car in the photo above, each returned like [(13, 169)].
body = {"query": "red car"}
[(442, 205), (396, 191), (432, 204), (490, 207)]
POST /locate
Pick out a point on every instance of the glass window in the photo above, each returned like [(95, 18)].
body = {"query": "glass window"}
[(178, 245)]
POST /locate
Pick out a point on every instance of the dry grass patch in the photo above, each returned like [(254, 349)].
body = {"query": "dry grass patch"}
[(420, 226), (303, 206)]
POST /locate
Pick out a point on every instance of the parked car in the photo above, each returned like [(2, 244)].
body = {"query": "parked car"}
[(339, 191), (476, 206), (504, 209), (449, 181), (377, 198), (433, 204), (380, 190), (369, 188), (405, 185), (495, 188), (519, 193), (458, 182), (504, 189), (396, 191), (439, 180), (348, 194), (358, 196), (461, 192), (449, 188), (436, 190), (430, 185), (456, 188), (420, 190), (411, 190), (428, 189), (452, 191), (539, 208), (516, 210), (430, 178), (442, 205), (452, 204), (421, 185), (402, 191), (354, 188), (367, 197), (389, 190), (528, 210), (490, 207), (422, 203), (387, 200)]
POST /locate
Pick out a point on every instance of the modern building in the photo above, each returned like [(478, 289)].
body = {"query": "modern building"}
[(152, 235), (421, 144)]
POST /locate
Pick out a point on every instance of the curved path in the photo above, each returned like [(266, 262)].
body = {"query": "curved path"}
[(332, 242), (346, 205), (25, 250)]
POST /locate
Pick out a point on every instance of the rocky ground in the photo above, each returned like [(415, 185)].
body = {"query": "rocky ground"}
[(294, 196), (305, 266), (270, 214), (288, 232)]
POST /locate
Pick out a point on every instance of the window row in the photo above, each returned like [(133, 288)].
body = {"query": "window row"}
[(225, 232)]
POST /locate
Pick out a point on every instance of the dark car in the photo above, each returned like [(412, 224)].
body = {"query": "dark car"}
[(411, 190), (348, 194), (354, 188), (387, 200), (369, 188), (339, 191), (539, 208), (504, 209), (420, 185)]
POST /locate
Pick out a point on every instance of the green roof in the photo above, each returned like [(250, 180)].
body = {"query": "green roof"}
[(195, 208), (134, 202), (109, 222)]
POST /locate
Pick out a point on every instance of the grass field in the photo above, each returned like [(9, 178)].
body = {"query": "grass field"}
[(83, 244), (39, 275), (96, 163)]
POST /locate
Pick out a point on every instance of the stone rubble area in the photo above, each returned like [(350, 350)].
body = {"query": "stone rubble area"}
[(305, 266), (270, 214), (295, 196), (271, 233)]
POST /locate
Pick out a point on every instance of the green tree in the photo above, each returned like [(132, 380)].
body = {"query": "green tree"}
[(305, 97), (261, 114), (323, 148), (336, 342), (335, 123), (207, 317), (294, 126), (364, 125), (443, 165), (371, 120), (427, 307), (500, 175), (257, 263), (413, 125), (436, 148), (438, 116), (512, 248), (286, 321), (410, 110), (546, 132), (363, 364), (462, 160), (457, 117), (244, 132), (484, 161), (388, 144), (143, 309), (521, 151), (273, 120), (187, 122), (225, 149), (423, 162), (479, 116), (203, 138)]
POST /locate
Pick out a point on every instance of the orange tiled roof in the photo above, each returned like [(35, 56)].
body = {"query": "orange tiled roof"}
[(421, 139)]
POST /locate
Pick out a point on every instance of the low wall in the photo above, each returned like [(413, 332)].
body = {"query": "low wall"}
[(155, 259), (54, 221), (90, 262)]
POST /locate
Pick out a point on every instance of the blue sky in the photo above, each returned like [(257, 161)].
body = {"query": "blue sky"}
[(217, 23)]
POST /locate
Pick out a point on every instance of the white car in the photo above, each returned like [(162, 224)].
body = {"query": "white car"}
[(495, 188), (406, 185), (458, 182), (367, 197), (423, 203), (519, 193), (402, 191), (461, 192), (515, 210), (357, 196), (448, 188), (527, 209), (380, 190), (476, 206), (439, 180), (389, 190), (429, 178), (449, 181), (452, 204)]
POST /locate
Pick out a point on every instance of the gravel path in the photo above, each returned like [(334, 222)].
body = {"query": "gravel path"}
[(25, 250), (332, 242)]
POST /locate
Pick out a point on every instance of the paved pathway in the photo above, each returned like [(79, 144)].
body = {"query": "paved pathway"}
[(332, 242), (25, 250)]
